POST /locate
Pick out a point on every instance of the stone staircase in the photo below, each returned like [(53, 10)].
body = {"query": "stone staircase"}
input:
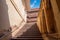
[(32, 17), (30, 30)]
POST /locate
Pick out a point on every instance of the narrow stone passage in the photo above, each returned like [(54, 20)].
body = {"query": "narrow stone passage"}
[(30, 30)]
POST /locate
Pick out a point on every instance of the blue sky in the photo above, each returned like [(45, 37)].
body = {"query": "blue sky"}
[(35, 3)]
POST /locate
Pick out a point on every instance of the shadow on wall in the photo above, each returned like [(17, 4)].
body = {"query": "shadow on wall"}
[(5, 28)]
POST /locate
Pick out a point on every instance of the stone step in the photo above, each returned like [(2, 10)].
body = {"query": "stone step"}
[(31, 20), (31, 17), (27, 39), (30, 37), (29, 32)]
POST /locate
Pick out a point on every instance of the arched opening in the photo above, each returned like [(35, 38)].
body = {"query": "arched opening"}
[(35, 4)]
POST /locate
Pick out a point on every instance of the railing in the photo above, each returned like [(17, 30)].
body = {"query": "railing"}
[(15, 6)]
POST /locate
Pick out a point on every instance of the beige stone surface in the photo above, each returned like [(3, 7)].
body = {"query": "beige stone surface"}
[(12, 16)]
